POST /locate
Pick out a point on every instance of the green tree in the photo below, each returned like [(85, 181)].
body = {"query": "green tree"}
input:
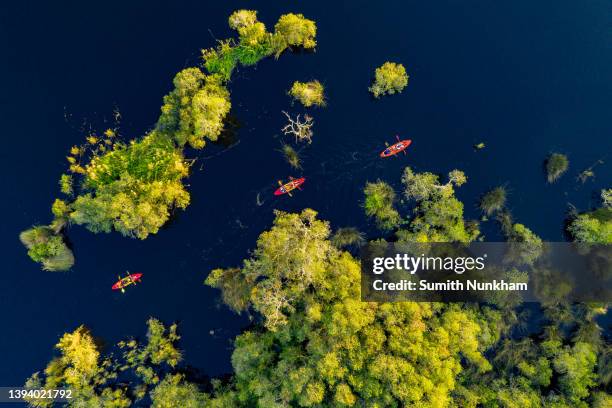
[(173, 392), (389, 78), (575, 365), (295, 30), (379, 199), (556, 165), (321, 346), (242, 19), (66, 184), (48, 248), (195, 109), (96, 380), (308, 93), (348, 236), (438, 216), (595, 226), (493, 200)]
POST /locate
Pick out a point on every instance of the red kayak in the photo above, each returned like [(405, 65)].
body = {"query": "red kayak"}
[(288, 187), (400, 146), (130, 279)]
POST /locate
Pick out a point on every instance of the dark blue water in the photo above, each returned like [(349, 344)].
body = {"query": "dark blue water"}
[(525, 77)]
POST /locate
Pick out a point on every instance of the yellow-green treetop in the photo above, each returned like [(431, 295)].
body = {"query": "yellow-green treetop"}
[(323, 346), (297, 30), (308, 93), (389, 79)]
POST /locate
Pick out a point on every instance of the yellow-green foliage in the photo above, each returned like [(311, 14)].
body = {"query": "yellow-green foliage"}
[(595, 226), (242, 19), (160, 344), (323, 346), (379, 199), (308, 93), (345, 237), (296, 30), (195, 109), (438, 216), (292, 157), (93, 378), (60, 209), (493, 200), (66, 184), (47, 247), (389, 79), (556, 165), (133, 187), (174, 392)]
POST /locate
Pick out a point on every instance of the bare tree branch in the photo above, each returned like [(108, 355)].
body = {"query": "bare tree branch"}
[(300, 129)]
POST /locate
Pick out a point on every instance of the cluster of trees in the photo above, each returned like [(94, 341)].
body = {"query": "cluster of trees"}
[(438, 214), (255, 42), (594, 226), (308, 93), (319, 345), (48, 248), (135, 372), (316, 344), (389, 78), (133, 187)]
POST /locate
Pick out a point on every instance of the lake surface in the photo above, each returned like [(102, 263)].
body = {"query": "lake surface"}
[(527, 78)]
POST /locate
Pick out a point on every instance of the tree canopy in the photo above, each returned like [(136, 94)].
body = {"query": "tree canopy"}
[(594, 226), (379, 199), (308, 93), (493, 200), (556, 165), (321, 346), (389, 78), (118, 380), (438, 215)]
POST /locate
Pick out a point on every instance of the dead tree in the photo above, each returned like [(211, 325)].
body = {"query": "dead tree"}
[(301, 130)]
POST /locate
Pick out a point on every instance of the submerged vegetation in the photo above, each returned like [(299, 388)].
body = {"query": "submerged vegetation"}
[(308, 93), (389, 78), (556, 165), (133, 187), (292, 156), (379, 200), (139, 371), (349, 236), (493, 200)]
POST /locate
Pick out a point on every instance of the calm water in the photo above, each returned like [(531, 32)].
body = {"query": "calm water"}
[(525, 77)]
